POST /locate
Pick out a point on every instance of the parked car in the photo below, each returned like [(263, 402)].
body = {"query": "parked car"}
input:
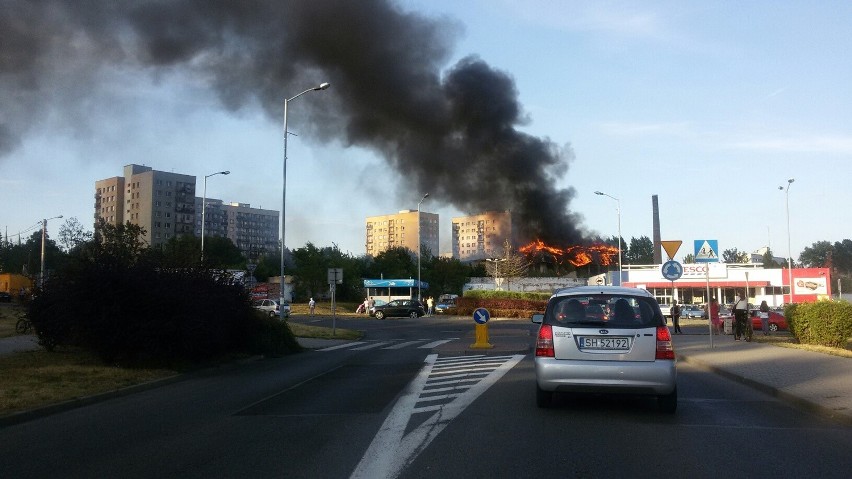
[(270, 306), (376, 302), (628, 350), (446, 306), (691, 311), (400, 308), (777, 322)]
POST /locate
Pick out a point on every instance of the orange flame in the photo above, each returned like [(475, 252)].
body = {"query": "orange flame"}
[(576, 255)]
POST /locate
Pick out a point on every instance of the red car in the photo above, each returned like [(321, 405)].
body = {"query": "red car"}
[(777, 322)]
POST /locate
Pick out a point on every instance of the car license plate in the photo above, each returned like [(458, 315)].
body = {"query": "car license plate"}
[(597, 342)]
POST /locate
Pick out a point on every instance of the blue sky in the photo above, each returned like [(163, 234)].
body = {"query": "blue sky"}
[(709, 105)]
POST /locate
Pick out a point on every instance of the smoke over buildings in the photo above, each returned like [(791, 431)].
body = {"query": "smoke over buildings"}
[(451, 130)]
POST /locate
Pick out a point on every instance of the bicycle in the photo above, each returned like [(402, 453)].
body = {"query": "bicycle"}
[(743, 327), (23, 326)]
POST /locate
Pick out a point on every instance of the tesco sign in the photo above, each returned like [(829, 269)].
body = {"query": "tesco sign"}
[(695, 269), (699, 270)]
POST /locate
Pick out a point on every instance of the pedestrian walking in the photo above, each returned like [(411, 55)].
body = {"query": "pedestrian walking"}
[(366, 306), (740, 317), (676, 317), (312, 304), (764, 317)]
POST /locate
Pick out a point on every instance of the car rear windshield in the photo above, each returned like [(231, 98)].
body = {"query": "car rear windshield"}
[(603, 310)]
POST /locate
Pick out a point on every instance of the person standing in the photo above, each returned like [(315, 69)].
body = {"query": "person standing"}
[(366, 306), (430, 305), (740, 316), (312, 304), (764, 317), (714, 316), (676, 317)]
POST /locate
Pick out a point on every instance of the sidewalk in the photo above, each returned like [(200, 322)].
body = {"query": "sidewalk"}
[(818, 382)]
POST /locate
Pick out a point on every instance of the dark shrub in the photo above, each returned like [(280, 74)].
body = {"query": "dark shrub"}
[(140, 314)]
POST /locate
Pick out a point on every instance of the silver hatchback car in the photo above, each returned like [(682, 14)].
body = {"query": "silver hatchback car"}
[(604, 340)]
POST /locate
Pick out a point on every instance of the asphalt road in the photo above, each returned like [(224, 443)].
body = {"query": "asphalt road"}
[(391, 407)]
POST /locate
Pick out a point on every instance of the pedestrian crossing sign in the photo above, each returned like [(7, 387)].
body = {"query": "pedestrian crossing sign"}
[(706, 251)]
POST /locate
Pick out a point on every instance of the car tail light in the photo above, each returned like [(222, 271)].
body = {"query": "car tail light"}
[(544, 342), (665, 349)]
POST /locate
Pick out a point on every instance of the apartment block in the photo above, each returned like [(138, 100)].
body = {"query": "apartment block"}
[(481, 236), (402, 229), (253, 230), (166, 206), (162, 203)]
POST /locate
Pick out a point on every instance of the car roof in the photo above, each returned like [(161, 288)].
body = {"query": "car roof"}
[(613, 290)]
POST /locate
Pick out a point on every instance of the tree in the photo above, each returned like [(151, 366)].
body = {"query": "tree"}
[(509, 265), (735, 256), (117, 245), (72, 235), (398, 262), (221, 252), (447, 275), (310, 270), (842, 257), (769, 260), (818, 255), (641, 251), (688, 259)]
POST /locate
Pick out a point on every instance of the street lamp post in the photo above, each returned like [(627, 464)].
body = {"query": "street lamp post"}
[(204, 207), (419, 227), (43, 240), (789, 249), (322, 86), (618, 210)]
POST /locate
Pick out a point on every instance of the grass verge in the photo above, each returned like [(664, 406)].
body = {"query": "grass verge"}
[(33, 379)]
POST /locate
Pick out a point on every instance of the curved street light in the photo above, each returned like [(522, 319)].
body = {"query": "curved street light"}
[(789, 249), (204, 207), (419, 227), (321, 86), (43, 240), (618, 210)]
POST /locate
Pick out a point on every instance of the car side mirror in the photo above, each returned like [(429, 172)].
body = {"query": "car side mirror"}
[(537, 318)]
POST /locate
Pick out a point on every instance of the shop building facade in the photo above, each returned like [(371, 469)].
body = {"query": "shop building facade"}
[(728, 280)]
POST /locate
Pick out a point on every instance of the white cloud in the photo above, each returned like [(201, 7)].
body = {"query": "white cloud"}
[(805, 144)]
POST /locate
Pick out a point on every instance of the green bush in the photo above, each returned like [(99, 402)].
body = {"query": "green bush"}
[(145, 315), (825, 323), (270, 337)]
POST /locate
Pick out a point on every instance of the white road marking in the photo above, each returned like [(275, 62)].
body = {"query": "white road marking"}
[(392, 450), (370, 346), (435, 344), (403, 345), (341, 346)]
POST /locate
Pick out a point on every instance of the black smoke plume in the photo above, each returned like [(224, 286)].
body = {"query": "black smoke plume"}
[(452, 131)]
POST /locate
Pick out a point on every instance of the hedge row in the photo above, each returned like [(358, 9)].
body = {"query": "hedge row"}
[(505, 307), (826, 323)]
